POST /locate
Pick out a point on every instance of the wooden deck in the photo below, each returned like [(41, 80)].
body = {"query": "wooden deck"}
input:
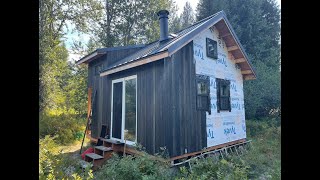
[(208, 149), (104, 152)]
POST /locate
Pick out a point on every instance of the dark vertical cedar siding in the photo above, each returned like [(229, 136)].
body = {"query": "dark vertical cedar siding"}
[(160, 130), (149, 93), (147, 97), (166, 103), (101, 84), (186, 125), (168, 107)]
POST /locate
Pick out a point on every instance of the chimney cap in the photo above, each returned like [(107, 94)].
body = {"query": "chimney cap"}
[(162, 12)]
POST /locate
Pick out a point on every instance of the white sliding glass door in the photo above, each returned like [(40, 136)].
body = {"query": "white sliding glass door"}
[(124, 109)]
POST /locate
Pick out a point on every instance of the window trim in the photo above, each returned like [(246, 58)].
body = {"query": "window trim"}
[(215, 44), (206, 80), (219, 83), (123, 108)]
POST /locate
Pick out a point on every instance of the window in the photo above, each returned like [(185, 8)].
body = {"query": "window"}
[(98, 69), (203, 93), (212, 51), (223, 95)]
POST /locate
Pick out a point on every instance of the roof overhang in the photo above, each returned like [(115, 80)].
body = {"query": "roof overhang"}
[(235, 49), (101, 51), (90, 57), (139, 62)]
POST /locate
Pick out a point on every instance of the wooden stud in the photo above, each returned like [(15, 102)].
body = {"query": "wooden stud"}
[(249, 77), (246, 72), (225, 35), (232, 48), (230, 56), (240, 60), (89, 102)]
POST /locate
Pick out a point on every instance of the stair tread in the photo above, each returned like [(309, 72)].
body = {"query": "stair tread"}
[(111, 141), (94, 156), (103, 148)]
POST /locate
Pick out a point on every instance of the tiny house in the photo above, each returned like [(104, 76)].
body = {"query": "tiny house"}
[(183, 92)]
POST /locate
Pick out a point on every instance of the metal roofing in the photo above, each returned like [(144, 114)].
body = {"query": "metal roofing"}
[(167, 47), (104, 50), (157, 46)]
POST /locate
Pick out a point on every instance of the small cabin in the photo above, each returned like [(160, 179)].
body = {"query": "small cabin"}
[(183, 92)]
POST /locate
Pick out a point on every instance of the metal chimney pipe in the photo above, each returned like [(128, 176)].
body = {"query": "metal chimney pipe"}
[(163, 19)]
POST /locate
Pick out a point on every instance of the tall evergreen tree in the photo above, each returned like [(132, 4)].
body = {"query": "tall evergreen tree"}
[(53, 55), (257, 25), (130, 22), (205, 9), (187, 16)]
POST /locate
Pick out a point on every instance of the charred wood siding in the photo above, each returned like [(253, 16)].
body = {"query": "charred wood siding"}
[(149, 123), (185, 126), (98, 84), (166, 103)]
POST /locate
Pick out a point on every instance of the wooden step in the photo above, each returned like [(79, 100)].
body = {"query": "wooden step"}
[(106, 152), (103, 148), (96, 160), (111, 141), (116, 146), (92, 156)]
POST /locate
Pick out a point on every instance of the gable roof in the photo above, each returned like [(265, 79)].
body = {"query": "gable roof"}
[(157, 46), (159, 50)]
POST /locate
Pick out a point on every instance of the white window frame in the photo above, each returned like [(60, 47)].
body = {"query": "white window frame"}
[(123, 80)]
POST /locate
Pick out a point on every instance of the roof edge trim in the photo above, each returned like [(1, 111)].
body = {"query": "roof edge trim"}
[(89, 56), (101, 51), (141, 61)]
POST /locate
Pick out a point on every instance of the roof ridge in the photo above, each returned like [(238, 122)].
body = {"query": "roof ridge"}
[(156, 46), (200, 21), (121, 47)]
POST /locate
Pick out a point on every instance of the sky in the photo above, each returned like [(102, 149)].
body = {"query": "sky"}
[(74, 36)]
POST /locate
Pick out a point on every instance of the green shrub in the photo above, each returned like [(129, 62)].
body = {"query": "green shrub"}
[(265, 157), (129, 167), (256, 127), (79, 135), (263, 161), (53, 165), (66, 127), (210, 168)]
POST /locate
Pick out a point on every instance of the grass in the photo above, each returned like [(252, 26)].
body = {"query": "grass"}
[(265, 157), (263, 161)]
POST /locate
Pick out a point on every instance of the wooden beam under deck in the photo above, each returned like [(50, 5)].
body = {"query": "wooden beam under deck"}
[(208, 149), (232, 48), (131, 150)]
